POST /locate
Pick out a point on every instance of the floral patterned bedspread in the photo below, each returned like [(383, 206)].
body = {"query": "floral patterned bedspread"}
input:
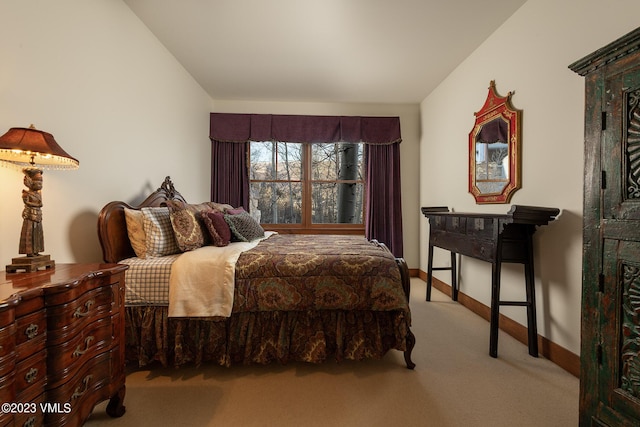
[(289, 272), (302, 298)]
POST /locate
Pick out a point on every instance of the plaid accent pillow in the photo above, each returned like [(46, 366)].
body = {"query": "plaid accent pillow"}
[(157, 227), (147, 280)]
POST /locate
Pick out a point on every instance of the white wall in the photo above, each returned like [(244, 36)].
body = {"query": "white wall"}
[(409, 148), (91, 73), (529, 55)]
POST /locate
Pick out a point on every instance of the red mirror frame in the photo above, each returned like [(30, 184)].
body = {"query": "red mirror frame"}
[(497, 107)]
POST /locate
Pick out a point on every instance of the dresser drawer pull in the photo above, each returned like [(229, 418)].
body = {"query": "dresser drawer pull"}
[(31, 376), (31, 422), (79, 313), (32, 331), (79, 351), (78, 393)]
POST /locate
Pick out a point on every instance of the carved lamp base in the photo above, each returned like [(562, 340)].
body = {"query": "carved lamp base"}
[(30, 263)]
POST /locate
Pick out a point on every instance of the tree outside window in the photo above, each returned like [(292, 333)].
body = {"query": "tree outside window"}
[(302, 186)]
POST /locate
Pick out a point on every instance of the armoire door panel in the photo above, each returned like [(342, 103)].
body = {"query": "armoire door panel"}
[(619, 333), (621, 146)]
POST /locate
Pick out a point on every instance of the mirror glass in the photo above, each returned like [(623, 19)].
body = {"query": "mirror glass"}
[(492, 157), (494, 163)]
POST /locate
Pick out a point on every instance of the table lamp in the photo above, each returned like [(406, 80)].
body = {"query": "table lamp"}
[(33, 150)]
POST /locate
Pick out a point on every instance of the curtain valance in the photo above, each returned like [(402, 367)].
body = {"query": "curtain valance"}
[(231, 127)]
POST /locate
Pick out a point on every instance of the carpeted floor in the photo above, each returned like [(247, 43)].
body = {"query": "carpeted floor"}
[(455, 383)]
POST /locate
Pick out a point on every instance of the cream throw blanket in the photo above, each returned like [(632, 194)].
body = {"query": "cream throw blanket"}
[(202, 281)]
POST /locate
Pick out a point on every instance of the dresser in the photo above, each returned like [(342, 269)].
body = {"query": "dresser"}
[(61, 344), (610, 324)]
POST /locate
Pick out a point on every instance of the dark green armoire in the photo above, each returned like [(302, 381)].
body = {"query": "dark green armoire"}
[(610, 331)]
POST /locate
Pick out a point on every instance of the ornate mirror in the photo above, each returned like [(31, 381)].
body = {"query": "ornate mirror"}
[(494, 150)]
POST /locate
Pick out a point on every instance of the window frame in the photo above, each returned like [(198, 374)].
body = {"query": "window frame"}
[(306, 226)]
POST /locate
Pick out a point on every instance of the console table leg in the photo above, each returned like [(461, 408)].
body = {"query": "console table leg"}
[(454, 277), (429, 271), (531, 300), (495, 309)]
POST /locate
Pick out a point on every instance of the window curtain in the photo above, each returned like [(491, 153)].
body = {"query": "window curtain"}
[(231, 133), (229, 173), (383, 220)]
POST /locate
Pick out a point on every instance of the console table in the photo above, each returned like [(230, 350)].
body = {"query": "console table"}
[(495, 238)]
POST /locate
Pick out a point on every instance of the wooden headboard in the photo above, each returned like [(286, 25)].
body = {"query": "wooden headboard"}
[(112, 226)]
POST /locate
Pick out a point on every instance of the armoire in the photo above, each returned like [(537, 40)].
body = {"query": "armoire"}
[(610, 324)]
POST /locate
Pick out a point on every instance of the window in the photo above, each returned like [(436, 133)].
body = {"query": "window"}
[(306, 186)]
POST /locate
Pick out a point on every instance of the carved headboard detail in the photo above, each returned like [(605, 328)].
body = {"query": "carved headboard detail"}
[(112, 226)]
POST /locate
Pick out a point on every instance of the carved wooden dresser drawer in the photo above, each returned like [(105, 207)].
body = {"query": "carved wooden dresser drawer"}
[(7, 356), (79, 349), (61, 349), (82, 391), (31, 362)]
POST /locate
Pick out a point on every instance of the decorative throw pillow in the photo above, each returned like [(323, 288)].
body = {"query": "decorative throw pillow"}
[(220, 207), (243, 227), (235, 211), (179, 204), (159, 231), (186, 229), (135, 230), (196, 209), (218, 228)]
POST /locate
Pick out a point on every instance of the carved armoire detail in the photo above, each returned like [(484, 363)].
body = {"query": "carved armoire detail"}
[(610, 331)]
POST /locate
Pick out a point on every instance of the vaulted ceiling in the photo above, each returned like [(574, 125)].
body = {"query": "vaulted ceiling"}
[(378, 51)]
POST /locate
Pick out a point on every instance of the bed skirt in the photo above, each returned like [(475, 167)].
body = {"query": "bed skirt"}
[(262, 337)]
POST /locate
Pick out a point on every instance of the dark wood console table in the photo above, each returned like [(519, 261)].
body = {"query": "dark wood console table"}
[(495, 238)]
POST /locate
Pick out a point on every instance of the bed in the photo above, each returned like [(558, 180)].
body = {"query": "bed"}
[(305, 298)]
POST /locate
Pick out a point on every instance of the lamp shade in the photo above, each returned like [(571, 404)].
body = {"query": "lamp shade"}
[(29, 147)]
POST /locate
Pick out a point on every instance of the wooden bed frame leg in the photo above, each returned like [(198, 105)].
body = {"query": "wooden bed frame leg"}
[(115, 407), (411, 342), (406, 285)]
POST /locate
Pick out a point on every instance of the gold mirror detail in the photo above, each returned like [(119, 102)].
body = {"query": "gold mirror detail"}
[(494, 150)]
